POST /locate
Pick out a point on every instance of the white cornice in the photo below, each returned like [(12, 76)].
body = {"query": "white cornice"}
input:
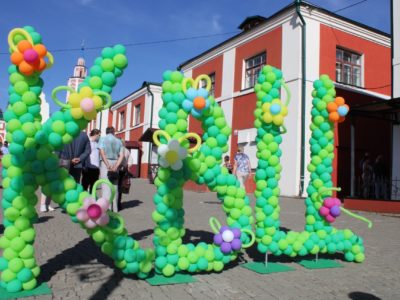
[(135, 95), (345, 26)]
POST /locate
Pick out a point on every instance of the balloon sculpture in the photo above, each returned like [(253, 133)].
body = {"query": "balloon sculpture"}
[(183, 156)]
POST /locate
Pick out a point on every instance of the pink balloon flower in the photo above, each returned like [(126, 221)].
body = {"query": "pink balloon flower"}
[(94, 213)]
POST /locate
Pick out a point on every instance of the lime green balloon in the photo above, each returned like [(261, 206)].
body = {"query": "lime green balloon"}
[(8, 275), (17, 244), (29, 98), (120, 61), (183, 263), (168, 270), (16, 265), (19, 108), (9, 254), (27, 252), (58, 127), (22, 223), (11, 232), (28, 235), (107, 65), (21, 87), (95, 82), (30, 285)]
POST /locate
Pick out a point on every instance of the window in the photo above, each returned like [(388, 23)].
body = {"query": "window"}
[(136, 115), (348, 67), (121, 122), (204, 84), (253, 68)]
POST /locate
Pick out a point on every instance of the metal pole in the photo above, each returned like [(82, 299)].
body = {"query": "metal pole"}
[(352, 158)]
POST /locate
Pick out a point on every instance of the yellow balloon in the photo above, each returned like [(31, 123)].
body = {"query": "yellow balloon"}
[(267, 117), (86, 92), (284, 111), (278, 120), (76, 113), (266, 106), (98, 102), (74, 99)]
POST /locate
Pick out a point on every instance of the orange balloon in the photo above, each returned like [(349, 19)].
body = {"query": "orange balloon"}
[(42, 65), (339, 101), (24, 45), (40, 49), (16, 58), (341, 119), (199, 103), (334, 116), (331, 107), (25, 68)]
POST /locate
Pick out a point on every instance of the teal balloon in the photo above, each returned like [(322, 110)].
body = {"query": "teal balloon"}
[(108, 78), (96, 70)]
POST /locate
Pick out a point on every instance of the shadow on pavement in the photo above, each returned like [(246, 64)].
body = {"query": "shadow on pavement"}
[(131, 203), (197, 236), (142, 234), (363, 296), (82, 257), (43, 219)]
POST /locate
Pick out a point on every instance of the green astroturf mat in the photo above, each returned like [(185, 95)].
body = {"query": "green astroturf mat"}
[(42, 289), (259, 267), (176, 279), (319, 264)]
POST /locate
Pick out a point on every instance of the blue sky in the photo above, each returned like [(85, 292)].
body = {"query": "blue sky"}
[(64, 24)]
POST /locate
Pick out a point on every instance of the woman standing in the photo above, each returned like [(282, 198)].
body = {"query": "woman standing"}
[(91, 169), (124, 182)]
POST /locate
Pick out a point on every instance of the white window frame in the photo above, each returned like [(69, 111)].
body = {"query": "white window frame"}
[(352, 65), (203, 83), (136, 117), (121, 120), (245, 84)]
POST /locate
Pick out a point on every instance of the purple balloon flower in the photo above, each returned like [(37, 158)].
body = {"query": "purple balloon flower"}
[(228, 239)]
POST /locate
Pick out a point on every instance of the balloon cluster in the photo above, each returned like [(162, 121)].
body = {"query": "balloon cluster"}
[(32, 162), (319, 236), (330, 209), (202, 164)]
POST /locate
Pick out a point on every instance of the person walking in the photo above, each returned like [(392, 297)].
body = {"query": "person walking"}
[(73, 155), (242, 167), (4, 148), (124, 176), (111, 156), (380, 178), (91, 166), (227, 164), (367, 178)]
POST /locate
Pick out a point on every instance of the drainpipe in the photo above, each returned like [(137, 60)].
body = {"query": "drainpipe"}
[(151, 126), (303, 93)]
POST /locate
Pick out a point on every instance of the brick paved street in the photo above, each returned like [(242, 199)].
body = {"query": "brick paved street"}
[(75, 269)]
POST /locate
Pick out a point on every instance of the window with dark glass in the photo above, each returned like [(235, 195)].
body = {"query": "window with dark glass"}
[(348, 67), (204, 83), (136, 117), (253, 67), (121, 120)]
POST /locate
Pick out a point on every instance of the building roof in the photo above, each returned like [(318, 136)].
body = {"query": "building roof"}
[(144, 84), (261, 20), (251, 22)]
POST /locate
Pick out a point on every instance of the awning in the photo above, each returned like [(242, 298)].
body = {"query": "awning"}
[(386, 109), (133, 145)]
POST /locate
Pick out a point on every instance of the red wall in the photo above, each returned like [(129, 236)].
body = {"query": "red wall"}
[(271, 42), (377, 68)]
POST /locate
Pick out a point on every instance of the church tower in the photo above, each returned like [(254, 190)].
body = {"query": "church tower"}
[(80, 72)]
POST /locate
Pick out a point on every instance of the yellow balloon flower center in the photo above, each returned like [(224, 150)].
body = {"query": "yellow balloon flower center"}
[(171, 157)]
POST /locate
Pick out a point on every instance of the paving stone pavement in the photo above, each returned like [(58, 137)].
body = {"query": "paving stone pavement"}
[(76, 269)]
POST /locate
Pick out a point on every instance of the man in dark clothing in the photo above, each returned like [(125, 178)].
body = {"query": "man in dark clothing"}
[(380, 177), (76, 153)]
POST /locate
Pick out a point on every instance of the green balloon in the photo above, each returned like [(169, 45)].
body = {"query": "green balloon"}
[(107, 65), (120, 61), (21, 87), (95, 82)]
